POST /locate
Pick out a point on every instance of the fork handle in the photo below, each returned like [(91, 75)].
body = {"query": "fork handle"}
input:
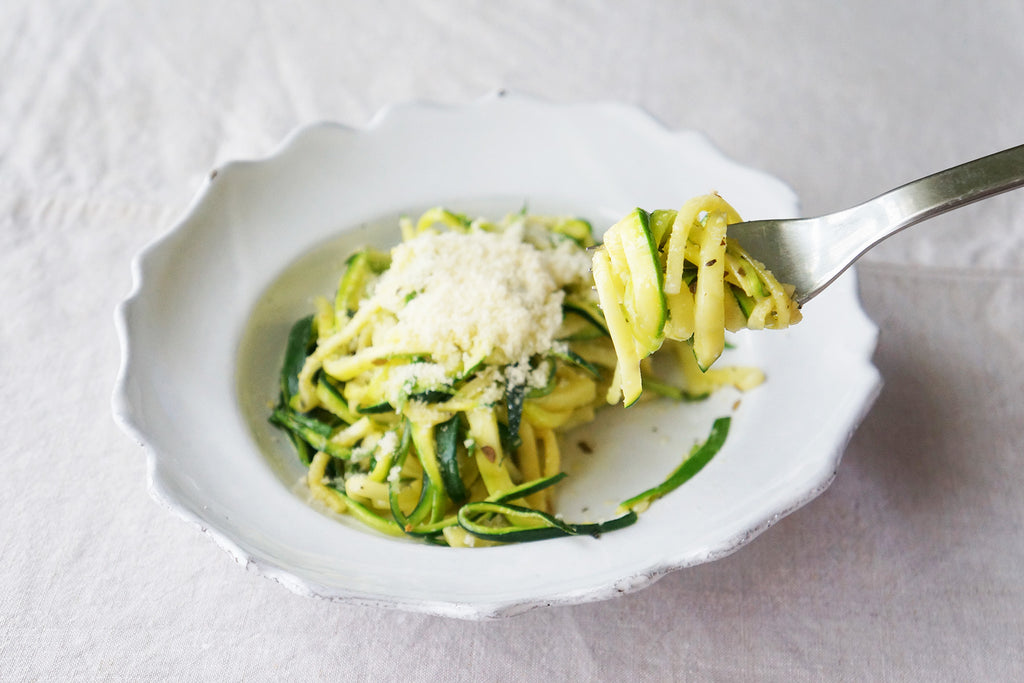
[(946, 190), (840, 238), (809, 253)]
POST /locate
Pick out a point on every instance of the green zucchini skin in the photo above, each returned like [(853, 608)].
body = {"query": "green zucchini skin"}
[(376, 409), (576, 229), (473, 517), (363, 514), (746, 303), (300, 340), (431, 396), (446, 438), (672, 392), (572, 358), (530, 487), (637, 230), (352, 284), (660, 222), (514, 396), (334, 401), (694, 463), (315, 433), (590, 312), (533, 525), (409, 523)]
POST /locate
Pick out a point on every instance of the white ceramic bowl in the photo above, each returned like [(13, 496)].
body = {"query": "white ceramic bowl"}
[(204, 328)]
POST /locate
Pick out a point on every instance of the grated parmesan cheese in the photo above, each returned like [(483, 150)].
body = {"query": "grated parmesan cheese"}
[(387, 443), (521, 374), (482, 294), (405, 379)]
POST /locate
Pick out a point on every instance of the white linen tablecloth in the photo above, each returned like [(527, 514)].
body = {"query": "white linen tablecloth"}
[(908, 568)]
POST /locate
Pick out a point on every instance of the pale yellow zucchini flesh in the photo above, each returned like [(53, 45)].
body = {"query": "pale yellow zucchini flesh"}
[(675, 275)]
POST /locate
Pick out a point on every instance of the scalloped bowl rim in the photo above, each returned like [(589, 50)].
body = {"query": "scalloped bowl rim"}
[(860, 349)]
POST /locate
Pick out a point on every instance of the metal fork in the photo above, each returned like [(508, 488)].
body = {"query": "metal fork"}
[(810, 253)]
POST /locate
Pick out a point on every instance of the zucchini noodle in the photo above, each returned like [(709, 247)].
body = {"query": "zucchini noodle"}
[(426, 398), (675, 277)]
